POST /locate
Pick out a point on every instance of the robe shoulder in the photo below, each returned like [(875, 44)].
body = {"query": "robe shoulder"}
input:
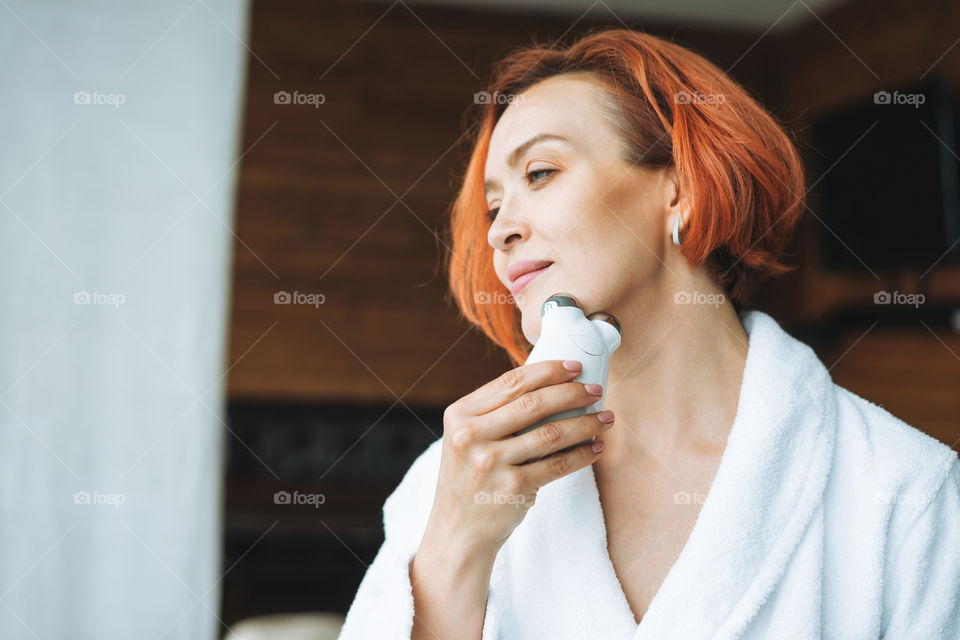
[(905, 467), (882, 440)]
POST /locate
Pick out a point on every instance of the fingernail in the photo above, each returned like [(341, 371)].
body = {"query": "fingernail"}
[(605, 416), (598, 446), (594, 389), (572, 365)]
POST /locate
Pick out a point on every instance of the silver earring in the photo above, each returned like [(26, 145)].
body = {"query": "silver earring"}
[(676, 230)]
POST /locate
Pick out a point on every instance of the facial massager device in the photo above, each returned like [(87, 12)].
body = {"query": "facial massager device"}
[(566, 334)]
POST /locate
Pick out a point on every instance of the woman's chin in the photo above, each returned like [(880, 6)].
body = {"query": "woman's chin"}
[(531, 327)]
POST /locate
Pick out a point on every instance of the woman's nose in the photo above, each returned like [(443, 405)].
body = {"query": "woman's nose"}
[(505, 230)]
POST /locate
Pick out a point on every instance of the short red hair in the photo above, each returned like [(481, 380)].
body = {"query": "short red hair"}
[(736, 166)]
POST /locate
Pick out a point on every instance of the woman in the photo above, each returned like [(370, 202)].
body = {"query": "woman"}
[(740, 492)]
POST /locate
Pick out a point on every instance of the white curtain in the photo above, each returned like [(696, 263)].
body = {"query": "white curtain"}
[(119, 132)]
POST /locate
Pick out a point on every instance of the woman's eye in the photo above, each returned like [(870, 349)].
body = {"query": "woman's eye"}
[(539, 171), (543, 173)]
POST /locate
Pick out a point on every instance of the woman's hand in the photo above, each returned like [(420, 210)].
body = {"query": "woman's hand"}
[(489, 478)]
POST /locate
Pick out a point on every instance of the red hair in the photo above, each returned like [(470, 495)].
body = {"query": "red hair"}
[(736, 167)]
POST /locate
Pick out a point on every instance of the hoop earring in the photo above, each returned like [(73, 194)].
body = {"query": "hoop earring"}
[(676, 230)]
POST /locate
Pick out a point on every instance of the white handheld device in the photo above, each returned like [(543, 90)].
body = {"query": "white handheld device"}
[(566, 334)]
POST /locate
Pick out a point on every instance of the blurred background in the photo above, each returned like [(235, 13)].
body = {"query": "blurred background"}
[(227, 330)]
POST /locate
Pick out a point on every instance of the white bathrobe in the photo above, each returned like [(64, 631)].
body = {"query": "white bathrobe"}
[(828, 518)]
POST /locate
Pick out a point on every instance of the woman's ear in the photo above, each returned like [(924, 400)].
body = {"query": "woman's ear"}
[(675, 203), (674, 186)]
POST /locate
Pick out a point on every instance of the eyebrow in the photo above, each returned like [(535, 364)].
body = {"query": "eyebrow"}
[(518, 153)]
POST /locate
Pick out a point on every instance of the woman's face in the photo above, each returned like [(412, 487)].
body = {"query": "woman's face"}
[(601, 222)]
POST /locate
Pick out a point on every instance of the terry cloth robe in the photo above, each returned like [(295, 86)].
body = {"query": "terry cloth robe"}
[(828, 518)]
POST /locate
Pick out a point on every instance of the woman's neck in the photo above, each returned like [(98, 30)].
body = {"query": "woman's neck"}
[(674, 382)]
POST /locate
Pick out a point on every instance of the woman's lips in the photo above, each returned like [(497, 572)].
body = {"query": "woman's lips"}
[(522, 281)]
